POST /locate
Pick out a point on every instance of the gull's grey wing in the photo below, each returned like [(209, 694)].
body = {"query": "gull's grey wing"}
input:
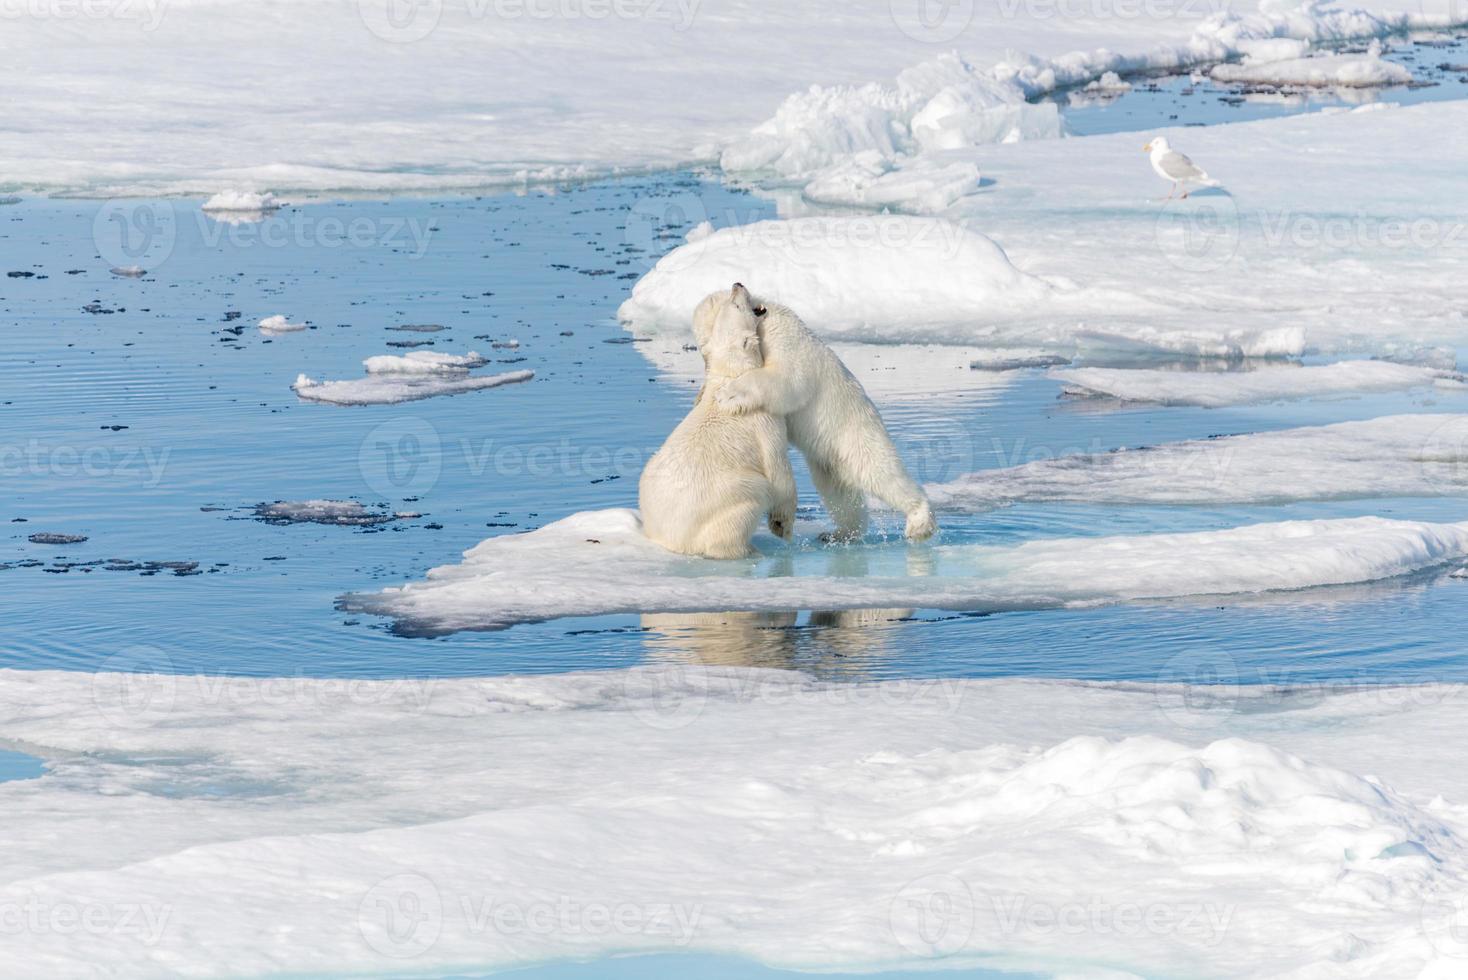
[(1177, 166)]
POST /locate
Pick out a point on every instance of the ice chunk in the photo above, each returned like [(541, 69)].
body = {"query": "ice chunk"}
[(1398, 456), (1348, 70), (599, 562), (347, 513), (51, 537), (940, 104), (1281, 383), (278, 324), (424, 362), (843, 275), (242, 200), (387, 389)]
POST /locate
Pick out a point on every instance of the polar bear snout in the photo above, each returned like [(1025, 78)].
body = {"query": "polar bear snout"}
[(739, 297)]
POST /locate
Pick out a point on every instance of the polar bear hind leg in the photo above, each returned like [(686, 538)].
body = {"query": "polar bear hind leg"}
[(725, 533), (846, 503)]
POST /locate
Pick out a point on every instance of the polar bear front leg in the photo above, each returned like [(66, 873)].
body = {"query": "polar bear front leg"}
[(847, 504), (782, 491), (763, 390)]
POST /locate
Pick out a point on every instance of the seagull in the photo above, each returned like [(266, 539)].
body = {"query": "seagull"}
[(1174, 166)]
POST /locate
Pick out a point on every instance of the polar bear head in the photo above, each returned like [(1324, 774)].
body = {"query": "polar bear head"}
[(726, 327)]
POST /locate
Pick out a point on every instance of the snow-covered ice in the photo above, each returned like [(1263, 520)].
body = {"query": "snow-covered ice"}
[(391, 389), (577, 111), (1398, 456), (1228, 830), (599, 562), (863, 277), (867, 180), (1215, 389), (424, 362), (1349, 70)]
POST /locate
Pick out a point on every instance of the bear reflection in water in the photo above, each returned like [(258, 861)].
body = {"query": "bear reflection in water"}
[(842, 640)]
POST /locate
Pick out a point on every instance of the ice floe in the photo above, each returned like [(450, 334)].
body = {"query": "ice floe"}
[(580, 114), (391, 389), (1348, 70), (941, 104), (851, 276), (599, 562), (1214, 389), (1156, 827), (279, 324), (242, 200), (424, 362), (1398, 456)]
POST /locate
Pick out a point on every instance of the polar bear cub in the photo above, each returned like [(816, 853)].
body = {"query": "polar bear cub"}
[(829, 417), (720, 473)]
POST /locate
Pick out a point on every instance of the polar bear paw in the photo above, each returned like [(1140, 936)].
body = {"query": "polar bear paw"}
[(736, 398), (920, 524), (782, 525)]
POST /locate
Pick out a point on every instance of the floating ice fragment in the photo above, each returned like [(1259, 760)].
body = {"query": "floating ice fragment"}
[(279, 324), (1280, 383), (388, 389), (242, 200), (424, 362)]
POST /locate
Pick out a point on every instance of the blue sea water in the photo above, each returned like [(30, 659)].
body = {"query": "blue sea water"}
[(154, 430)]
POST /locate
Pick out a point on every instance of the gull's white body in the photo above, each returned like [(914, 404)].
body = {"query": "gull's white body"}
[(1174, 166)]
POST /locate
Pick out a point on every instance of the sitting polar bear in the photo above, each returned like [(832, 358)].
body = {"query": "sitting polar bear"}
[(705, 491), (828, 415)]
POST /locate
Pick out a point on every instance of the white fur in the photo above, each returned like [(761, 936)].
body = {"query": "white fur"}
[(706, 490), (828, 415)]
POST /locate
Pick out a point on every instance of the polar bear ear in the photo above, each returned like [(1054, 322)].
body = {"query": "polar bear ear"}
[(760, 311)]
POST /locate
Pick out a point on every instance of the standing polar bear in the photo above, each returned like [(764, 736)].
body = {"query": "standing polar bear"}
[(827, 413), (706, 490)]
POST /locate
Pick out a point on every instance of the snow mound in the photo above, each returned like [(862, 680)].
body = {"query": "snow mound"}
[(941, 104), (387, 389), (851, 275), (599, 562), (1214, 390), (424, 362), (240, 200), (1345, 70), (1397, 456), (279, 324)]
